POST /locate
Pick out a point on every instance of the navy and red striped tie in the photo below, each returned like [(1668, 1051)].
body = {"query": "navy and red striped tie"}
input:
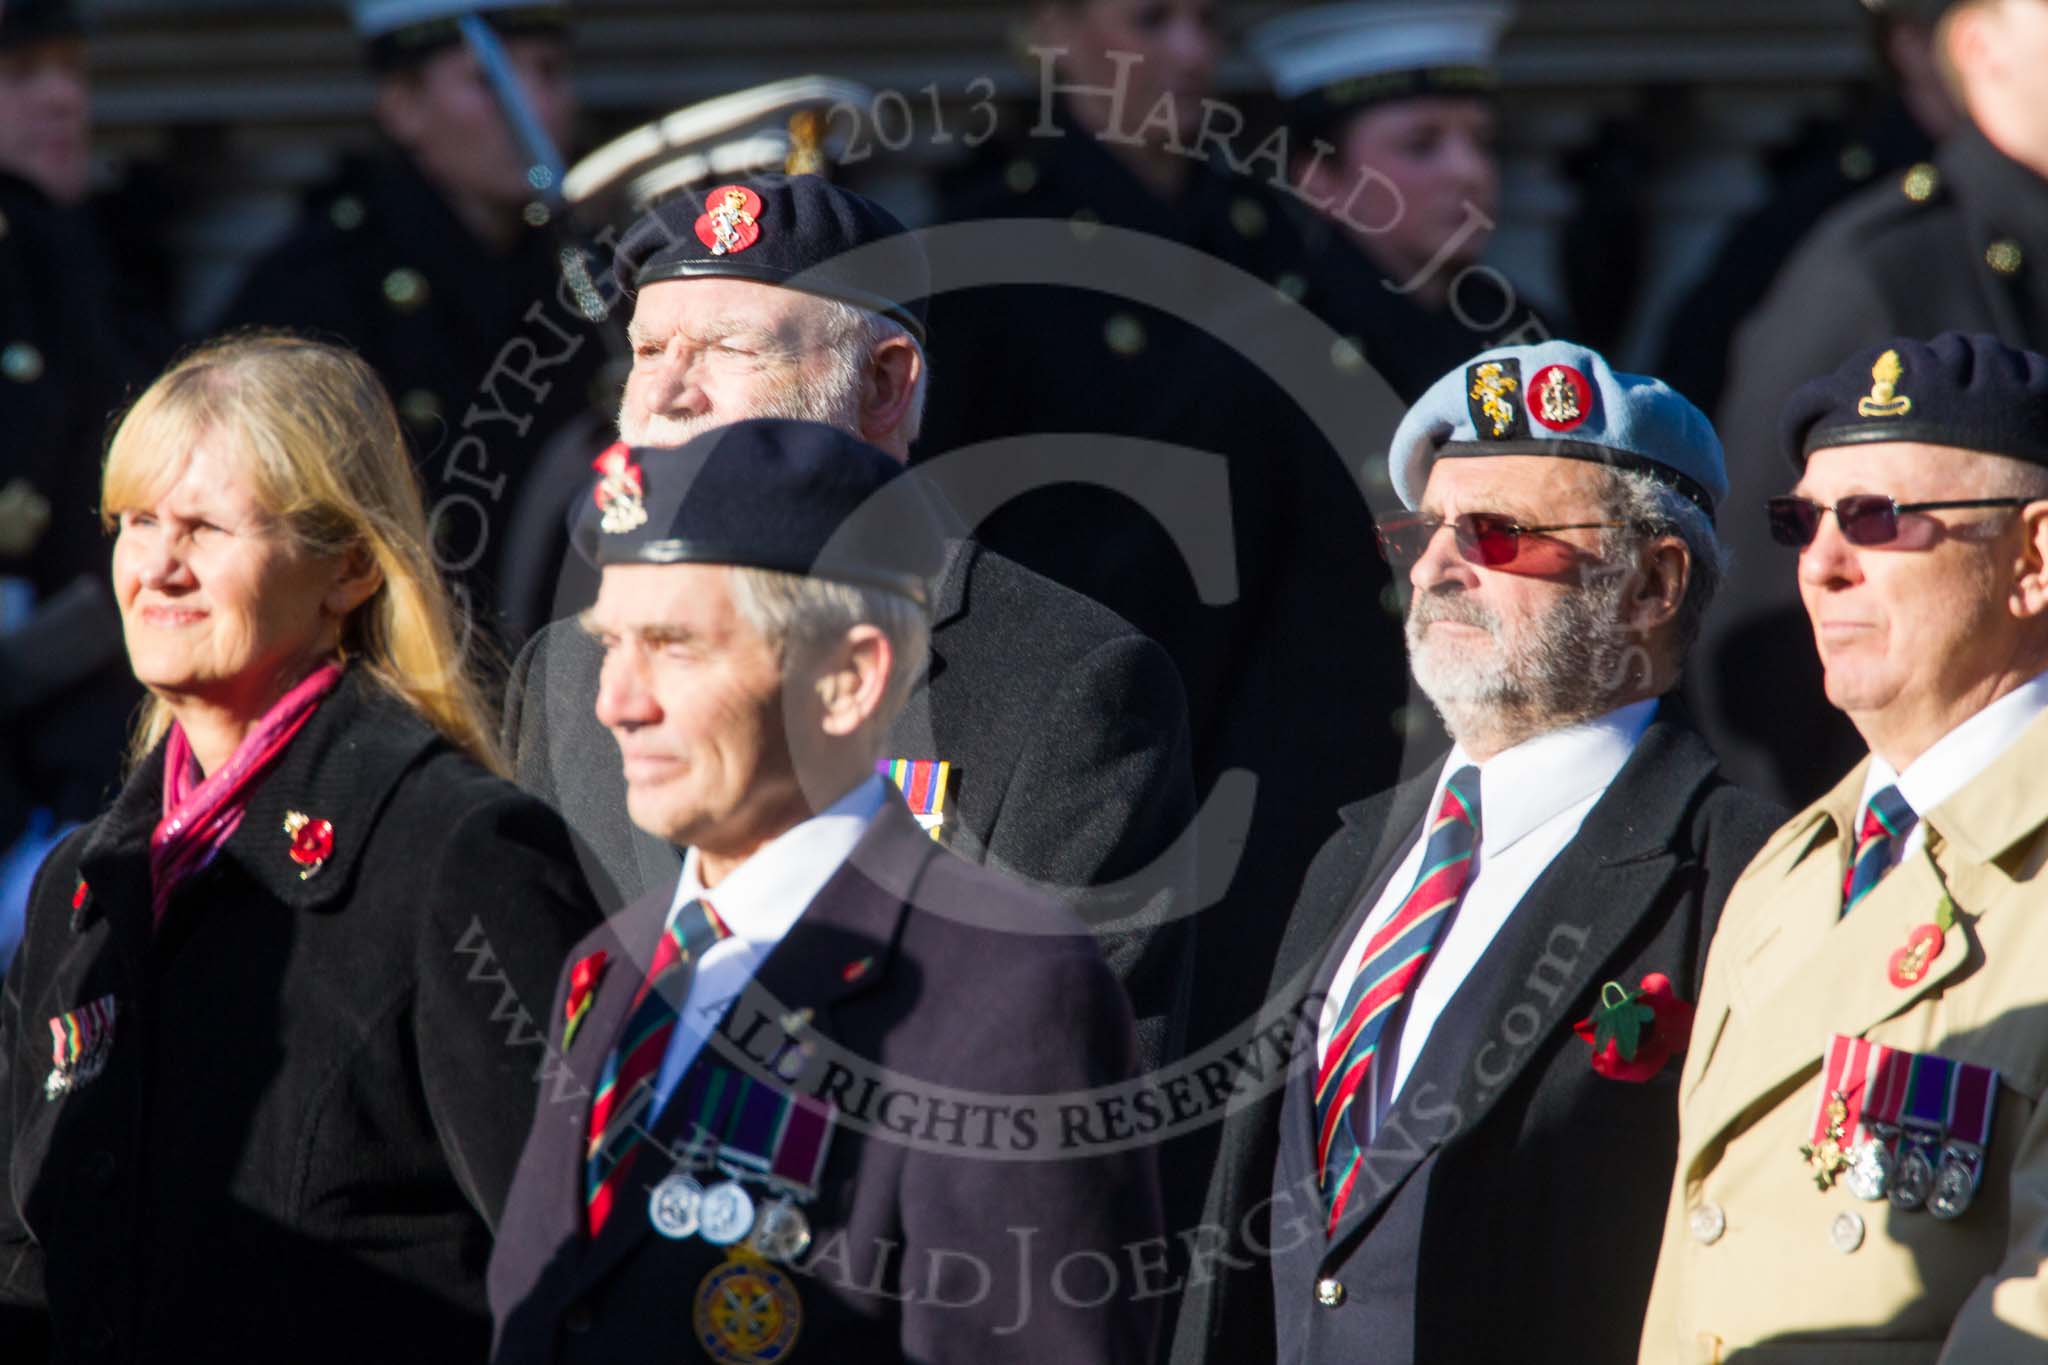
[(622, 1088), (1393, 960), (1886, 820)]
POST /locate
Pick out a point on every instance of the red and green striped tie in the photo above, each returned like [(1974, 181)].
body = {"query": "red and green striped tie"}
[(623, 1086), (1886, 820), (1393, 960)]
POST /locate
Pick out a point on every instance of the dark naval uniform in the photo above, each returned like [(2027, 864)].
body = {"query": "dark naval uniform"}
[(1294, 677), (485, 354), (72, 351), (1959, 243)]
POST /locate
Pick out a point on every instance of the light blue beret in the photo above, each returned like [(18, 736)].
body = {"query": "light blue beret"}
[(1560, 399)]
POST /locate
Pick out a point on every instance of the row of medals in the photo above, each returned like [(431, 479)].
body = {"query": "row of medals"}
[(1897, 1167), (725, 1215)]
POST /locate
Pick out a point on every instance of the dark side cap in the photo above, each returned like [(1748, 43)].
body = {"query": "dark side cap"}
[(400, 34), (800, 231), (768, 493), (1966, 391), (37, 21)]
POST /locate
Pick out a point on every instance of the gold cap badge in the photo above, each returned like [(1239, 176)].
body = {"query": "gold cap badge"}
[(1884, 399)]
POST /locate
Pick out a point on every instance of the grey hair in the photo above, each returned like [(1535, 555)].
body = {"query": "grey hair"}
[(1649, 508), (795, 613), (857, 334)]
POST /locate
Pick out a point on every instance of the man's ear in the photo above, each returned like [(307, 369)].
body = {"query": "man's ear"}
[(888, 388), (1663, 572), (853, 681), (399, 110), (2029, 596)]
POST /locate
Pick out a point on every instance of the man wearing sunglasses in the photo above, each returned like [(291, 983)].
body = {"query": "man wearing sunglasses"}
[(1863, 1156), (1503, 947)]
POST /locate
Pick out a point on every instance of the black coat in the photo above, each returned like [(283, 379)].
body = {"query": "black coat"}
[(315, 1094), (969, 982), (1067, 729), (1511, 1205), (1909, 257), (485, 351)]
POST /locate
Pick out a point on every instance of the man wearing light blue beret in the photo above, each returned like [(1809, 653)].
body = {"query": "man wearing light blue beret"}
[(1502, 949)]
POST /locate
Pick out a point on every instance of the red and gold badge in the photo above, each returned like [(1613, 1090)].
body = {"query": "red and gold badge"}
[(1909, 964), (1560, 399), (620, 492), (583, 979), (731, 221)]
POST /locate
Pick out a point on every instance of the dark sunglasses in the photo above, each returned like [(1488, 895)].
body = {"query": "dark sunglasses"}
[(1486, 538), (1865, 518)]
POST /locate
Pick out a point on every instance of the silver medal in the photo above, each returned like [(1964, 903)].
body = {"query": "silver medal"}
[(783, 1233), (725, 1215), (673, 1207), (1912, 1179), (1870, 1170), (1954, 1186)]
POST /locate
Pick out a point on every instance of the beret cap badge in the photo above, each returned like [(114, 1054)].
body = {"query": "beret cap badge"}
[(1560, 398), (1492, 387), (620, 492), (731, 221), (1884, 399)]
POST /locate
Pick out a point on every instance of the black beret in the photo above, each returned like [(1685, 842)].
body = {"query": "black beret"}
[(801, 231), (768, 493), (36, 21), (1971, 392)]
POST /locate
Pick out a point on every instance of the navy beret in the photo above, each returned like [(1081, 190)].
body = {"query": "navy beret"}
[(800, 231), (35, 21), (769, 493), (1563, 400), (1970, 392)]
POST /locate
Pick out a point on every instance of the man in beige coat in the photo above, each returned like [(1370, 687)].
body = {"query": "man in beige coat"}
[(1863, 1157)]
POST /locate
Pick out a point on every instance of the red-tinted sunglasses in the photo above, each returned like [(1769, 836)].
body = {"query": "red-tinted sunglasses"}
[(1865, 518), (1486, 538)]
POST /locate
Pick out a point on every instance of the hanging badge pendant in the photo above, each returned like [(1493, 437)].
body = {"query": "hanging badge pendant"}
[(725, 1215), (673, 1207), (747, 1312), (1870, 1170), (1912, 1177)]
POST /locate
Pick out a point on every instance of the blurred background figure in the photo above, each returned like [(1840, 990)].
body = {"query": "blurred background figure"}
[(438, 259), (1129, 165), (1895, 127), (72, 341), (1394, 120), (1956, 243)]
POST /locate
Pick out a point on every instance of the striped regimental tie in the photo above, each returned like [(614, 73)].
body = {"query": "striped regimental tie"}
[(1392, 962), (626, 1083), (1886, 820)]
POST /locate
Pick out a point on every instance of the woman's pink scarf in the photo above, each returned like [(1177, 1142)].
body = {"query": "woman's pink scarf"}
[(200, 816)]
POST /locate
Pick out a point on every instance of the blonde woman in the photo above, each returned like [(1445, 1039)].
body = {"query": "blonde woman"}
[(265, 1072)]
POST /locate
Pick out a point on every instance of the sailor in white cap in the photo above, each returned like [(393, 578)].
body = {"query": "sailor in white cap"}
[(1390, 107)]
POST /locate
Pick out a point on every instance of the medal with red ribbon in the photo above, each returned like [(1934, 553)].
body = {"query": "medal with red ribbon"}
[(1972, 1093)]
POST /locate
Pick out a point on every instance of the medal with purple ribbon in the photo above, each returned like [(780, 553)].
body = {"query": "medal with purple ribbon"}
[(1962, 1154), (1926, 1118)]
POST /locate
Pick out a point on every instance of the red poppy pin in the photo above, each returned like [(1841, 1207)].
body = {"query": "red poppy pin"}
[(312, 842), (1634, 1033), (620, 492), (731, 221), (80, 895), (583, 979)]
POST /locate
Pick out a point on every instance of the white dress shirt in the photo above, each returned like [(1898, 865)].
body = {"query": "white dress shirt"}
[(1532, 800), (758, 901), (1952, 762)]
